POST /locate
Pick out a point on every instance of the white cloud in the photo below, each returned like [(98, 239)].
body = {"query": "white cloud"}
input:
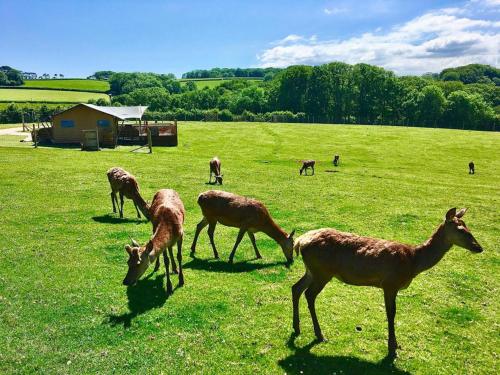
[(430, 42), (334, 10)]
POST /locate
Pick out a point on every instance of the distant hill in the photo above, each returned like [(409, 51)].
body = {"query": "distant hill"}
[(68, 84), (473, 73), (213, 82), (263, 73), (47, 96)]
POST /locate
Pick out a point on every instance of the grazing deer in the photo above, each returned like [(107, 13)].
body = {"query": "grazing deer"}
[(250, 215), (336, 160), (126, 185), (365, 261), (306, 164), (215, 169), (167, 216), (471, 168)]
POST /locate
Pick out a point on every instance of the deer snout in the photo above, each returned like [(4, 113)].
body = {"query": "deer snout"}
[(476, 247)]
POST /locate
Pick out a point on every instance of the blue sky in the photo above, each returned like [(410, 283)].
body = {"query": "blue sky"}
[(76, 38)]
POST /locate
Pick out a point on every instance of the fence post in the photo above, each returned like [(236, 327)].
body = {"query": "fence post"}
[(150, 140), (35, 136)]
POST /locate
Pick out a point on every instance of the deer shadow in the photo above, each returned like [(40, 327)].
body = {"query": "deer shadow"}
[(224, 266), (302, 361), (110, 219), (147, 294)]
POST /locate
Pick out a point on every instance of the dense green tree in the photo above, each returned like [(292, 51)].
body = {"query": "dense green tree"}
[(431, 105)]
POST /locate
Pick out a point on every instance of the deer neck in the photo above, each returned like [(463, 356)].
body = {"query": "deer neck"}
[(160, 238), (275, 232), (142, 205), (431, 251)]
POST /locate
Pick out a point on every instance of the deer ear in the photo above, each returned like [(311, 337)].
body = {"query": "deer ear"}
[(135, 243), (461, 213), (451, 214), (291, 234), (128, 249)]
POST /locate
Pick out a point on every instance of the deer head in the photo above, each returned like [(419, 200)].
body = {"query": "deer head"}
[(457, 232), (138, 262), (218, 179), (287, 247)]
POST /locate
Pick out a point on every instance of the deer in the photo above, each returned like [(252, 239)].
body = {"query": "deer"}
[(167, 216), (126, 185), (247, 214), (215, 169), (306, 164), (336, 160), (365, 261), (471, 168)]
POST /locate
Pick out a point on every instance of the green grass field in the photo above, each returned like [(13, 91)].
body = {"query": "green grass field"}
[(211, 83), (22, 95), (75, 84), (63, 309)]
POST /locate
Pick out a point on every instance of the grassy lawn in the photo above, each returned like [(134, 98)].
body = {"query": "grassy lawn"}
[(63, 309), (21, 95), (76, 84)]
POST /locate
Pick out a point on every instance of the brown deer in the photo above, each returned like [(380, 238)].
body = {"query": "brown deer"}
[(306, 164), (215, 169), (167, 216), (365, 261), (471, 168), (126, 185), (250, 215)]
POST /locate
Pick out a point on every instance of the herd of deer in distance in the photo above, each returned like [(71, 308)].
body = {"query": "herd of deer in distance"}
[(326, 253)]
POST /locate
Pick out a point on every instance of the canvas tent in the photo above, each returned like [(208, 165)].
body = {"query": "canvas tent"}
[(68, 125)]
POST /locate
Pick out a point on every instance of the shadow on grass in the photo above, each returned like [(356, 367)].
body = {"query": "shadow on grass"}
[(111, 219), (224, 266), (305, 362), (147, 294)]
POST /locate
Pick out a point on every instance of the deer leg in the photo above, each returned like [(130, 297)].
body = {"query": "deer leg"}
[(241, 233), (313, 170), (167, 272), (121, 205), (179, 260), (252, 238), (311, 293), (172, 259), (202, 224), (138, 214), (157, 264), (211, 230), (113, 197), (390, 309), (297, 290)]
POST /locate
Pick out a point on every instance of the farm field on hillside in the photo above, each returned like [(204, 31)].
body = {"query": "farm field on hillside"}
[(211, 83), (64, 310), (75, 84), (22, 95)]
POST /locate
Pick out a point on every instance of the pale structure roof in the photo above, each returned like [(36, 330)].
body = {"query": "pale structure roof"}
[(123, 113)]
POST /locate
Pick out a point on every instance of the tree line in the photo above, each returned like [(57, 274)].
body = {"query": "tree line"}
[(265, 73), (331, 93)]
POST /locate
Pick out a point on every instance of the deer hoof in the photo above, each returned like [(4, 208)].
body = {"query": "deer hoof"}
[(321, 338)]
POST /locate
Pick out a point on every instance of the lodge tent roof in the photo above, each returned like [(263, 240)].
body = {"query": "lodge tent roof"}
[(123, 113)]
